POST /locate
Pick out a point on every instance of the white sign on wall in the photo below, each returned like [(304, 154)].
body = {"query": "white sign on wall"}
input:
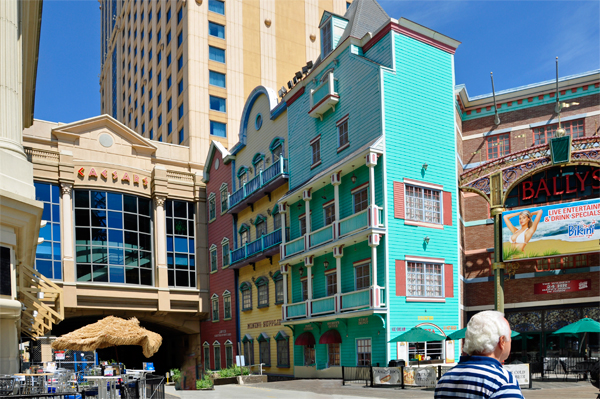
[(521, 373), (402, 351)]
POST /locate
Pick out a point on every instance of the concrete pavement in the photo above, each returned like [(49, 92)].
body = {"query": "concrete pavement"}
[(333, 389)]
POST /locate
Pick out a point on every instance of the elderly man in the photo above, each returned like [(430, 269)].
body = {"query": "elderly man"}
[(480, 374)]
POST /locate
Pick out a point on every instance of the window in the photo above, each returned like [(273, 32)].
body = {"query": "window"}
[(309, 355), (216, 79), (143, 108), (158, 56), (159, 120), (215, 307), (246, 290), (343, 133), (333, 354), (248, 351), (168, 15), (543, 134), (149, 36), (304, 283), (169, 104), (169, 127), (206, 348), (276, 221), (259, 163), (278, 279), (326, 39), (180, 63), (212, 207), (216, 54), (360, 200), (242, 176), (179, 39), (329, 214), (113, 237), (316, 150), (143, 127), (213, 258), (567, 262), (362, 273), (151, 134), (261, 228), (217, 104), (158, 36), (331, 282), (227, 305), (224, 198), (264, 349), (498, 146), (180, 15), (151, 112), (228, 354), (258, 122), (423, 204), (150, 77), (160, 139), (302, 223), (283, 350), (216, 30), (181, 135), (180, 87), (363, 352), (244, 237), (181, 250), (262, 286), (168, 62), (225, 245), (218, 129), (168, 39), (159, 98), (159, 78), (424, 279), (48, 259), (217, 349), (169, 82), (216, 6)]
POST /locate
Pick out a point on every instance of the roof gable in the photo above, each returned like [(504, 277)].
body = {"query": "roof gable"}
[(215, 147)]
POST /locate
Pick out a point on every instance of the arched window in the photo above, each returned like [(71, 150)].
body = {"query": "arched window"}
[(260, 223), (242, 175), (226, 305), (278, 280), (215, 307), (283, 349), (264, 349), (259, 162), (262, 285), (246, 291), (276, 148)]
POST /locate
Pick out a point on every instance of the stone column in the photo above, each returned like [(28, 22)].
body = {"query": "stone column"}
[(161, 237), (67, 227)]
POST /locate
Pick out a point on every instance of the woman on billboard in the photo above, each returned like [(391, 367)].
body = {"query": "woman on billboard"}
[(528, 224)]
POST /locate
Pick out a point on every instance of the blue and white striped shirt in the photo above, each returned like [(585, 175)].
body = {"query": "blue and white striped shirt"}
[(478, 377)]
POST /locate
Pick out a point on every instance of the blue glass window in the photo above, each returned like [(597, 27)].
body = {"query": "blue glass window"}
[(179, 39), (180, 243), (159, 56), (181, 135), (160, 138), (143, 108), (48, 260), (158, 36), (168, 15), (159, 120), (216, 30), (151, 134), (113, 238), (216, 54), (158, 16), (136, 121), (159, 98), (169, 104), (150, 75), (169, 37), (216, 79), (150, 95), (180, 15), (217, 104), (150, 114), (180, 111), (143, 127), (216, 6), (169, 59), (180, 87), (169, 127), (150, 36), (159, 77), (180, 63), (169, 82), (218, 129)]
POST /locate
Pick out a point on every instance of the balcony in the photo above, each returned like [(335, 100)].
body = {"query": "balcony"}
[(349, 226), (370, 299), (324, 97), (266, 245), (265, 182)]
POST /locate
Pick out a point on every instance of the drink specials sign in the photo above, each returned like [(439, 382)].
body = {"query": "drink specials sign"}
[(558, 287)]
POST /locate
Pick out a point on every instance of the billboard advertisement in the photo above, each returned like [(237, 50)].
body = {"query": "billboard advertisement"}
[(551, 230)]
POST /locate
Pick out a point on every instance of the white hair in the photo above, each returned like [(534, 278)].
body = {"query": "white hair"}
[(484, 331)]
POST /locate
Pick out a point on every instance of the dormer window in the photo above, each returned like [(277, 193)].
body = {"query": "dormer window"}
[(326, 39)]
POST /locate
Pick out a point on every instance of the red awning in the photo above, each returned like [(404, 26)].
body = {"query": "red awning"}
[(331, 337), (306, 338)]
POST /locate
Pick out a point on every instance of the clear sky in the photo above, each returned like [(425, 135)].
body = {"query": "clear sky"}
[(517, 40)]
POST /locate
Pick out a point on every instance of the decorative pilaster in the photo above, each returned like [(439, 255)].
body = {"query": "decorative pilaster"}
[(336, 180), (307, 196), (284, 269), (338, 252), (282, 211), (373, 213), (309, 261), (161, 242), (373, 243)]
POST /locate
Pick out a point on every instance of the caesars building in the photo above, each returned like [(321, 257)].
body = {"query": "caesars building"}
[(124, 234)]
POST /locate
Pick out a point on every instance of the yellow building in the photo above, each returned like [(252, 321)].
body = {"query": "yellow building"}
[(259, 165), (180, 71)]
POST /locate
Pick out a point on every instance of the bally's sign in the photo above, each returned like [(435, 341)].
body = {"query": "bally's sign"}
[(115, 176)]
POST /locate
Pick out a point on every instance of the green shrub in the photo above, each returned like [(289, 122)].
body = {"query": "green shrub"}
[(232, 371), (175, 375), (204, 383)]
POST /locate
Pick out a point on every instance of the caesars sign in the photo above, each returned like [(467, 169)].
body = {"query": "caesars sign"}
[(571, 225)]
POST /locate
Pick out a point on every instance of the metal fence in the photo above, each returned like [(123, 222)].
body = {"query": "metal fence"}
[(357, 375)]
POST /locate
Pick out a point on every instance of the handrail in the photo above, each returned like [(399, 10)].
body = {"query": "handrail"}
[(262, 178), (346, 221), (321, 235), (323, 305), (361, 302), (295, 246)]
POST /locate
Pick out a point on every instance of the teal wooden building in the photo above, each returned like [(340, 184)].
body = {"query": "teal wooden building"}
[(372, 243)]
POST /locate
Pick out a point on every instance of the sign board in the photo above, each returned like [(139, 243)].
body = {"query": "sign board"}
[(386, 375), (402, 351), (421, 377), (449, 351), (239, 361), (148, 366), (551, 230), (558, 287), (59, 355), (521, 373)]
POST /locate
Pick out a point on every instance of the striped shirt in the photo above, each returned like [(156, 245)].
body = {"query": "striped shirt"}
[(478, 377)]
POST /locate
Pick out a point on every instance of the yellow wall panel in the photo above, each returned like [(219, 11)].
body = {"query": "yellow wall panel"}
[(251, 23), (290, 29)]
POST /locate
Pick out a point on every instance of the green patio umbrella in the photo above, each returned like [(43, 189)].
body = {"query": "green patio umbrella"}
[(417, 334), (460, 334), (585, 325)]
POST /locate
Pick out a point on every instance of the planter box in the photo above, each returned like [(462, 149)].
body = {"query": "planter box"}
[(224, 381), (251, 379)]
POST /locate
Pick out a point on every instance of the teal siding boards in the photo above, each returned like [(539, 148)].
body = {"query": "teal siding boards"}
[(338, 25), (382, 52), (419, 123), (360, 98)]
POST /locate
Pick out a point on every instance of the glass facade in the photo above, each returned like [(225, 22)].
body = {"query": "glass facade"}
[(181, 249), (48, 254), (113, 238)]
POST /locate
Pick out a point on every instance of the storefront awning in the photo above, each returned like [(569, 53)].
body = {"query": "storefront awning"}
[(306, 338), (331, 337)]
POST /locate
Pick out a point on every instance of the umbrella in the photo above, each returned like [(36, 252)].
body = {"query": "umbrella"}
[(110, 331), (460, 334), (585, 325), (417, 334)]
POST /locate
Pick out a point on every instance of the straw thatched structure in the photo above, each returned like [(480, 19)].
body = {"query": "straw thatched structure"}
[(110, 331)]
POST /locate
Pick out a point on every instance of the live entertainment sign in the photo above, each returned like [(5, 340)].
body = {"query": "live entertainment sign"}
[(558, 287)]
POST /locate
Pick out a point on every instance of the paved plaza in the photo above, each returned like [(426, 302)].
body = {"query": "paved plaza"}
[(333, 389)]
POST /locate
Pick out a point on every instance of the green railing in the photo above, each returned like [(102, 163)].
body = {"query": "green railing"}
[(323, 305), (296, 310), (295, 246), (356, 299), (322, 235), (352, 223)]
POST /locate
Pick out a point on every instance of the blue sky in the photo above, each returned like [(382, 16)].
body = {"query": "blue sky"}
[(517, 40)]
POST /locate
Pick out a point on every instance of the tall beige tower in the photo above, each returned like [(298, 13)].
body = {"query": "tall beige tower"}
[(180, 71)]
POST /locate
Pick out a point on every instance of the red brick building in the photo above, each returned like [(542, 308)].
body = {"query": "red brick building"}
[(520, 141), (219, 332)]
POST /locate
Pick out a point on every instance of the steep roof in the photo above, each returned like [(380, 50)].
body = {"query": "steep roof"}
[(364, 16)]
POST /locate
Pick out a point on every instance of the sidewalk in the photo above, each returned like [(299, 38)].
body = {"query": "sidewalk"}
[(333, 389)]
